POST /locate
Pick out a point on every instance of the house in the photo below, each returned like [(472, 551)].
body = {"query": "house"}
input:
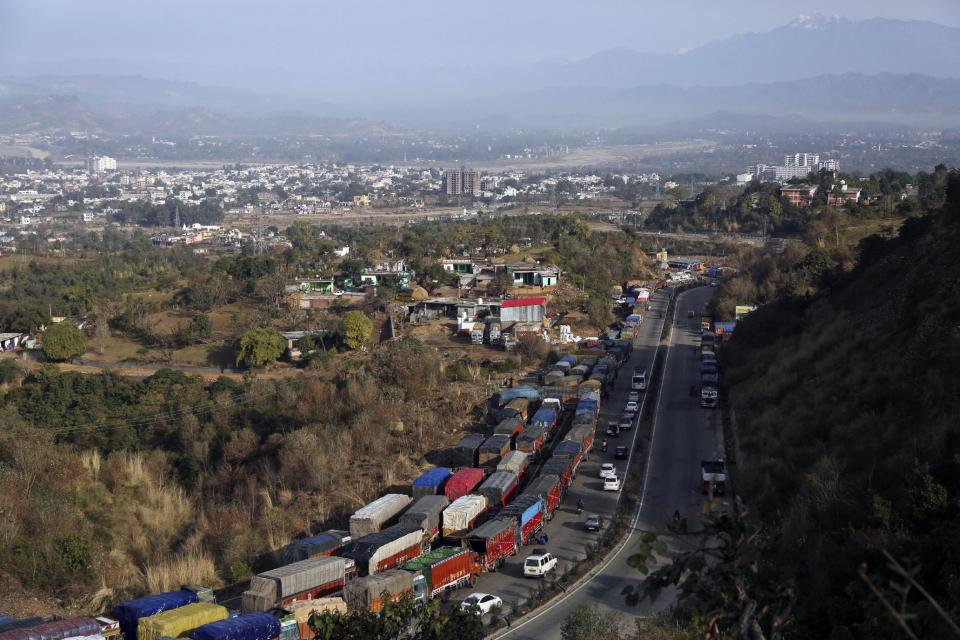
[(523, 310), (314, 285), (361, 201), (460, 266), (799, 195), (844, 195), (293, 339), (532, 274), (342, 252), (683, 263)]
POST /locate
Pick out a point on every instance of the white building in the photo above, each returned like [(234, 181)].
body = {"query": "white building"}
[(99, 164), (810, 160)]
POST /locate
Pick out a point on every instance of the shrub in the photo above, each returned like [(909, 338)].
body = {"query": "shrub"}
[(63, 341)]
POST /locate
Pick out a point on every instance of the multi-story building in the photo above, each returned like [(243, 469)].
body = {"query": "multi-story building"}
[(99, 164), (810, 160), (458, 182), (799, 195)]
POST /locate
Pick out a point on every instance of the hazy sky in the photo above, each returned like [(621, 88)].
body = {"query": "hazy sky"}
[(268, 42)]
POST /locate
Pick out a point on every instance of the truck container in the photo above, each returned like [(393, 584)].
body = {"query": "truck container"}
[(463, 482), (493, 449), (443, 569), (501, 398), (499, 488), (54, 630), (583, 433), (591, 407), (549, 489), (464, 453), (128, 613), (494, 542), (424, 513), (570, 449), (562, 367), (378, 514), (249, 626), (462, 515), (431, 482), (512, 427), (552, 378), (592, 385), (301, 612), (527, 512), (328, 543), (519, 405), (571, 360), (560, 467), (546, 419), (179, 622), (531, 441), (516, 462), (386, 549), (582, 371), (9, 624), (302, 580), (371, 593)]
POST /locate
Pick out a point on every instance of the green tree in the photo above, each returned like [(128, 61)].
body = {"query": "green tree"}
[(259, 346), (357, 330), (63, 341), (9, 371), (587, 622)]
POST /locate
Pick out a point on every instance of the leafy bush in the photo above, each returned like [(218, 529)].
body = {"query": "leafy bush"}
[(63, 341)]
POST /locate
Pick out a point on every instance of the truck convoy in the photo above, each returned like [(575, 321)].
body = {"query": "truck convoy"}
[(378, 514), (302, 580), (463, 515), (386, 549), (424, 514), (494, 541), (180, 622)]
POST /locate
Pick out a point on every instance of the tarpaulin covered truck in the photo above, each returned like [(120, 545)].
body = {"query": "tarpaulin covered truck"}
[(509, 427), (54, 630), (546, 418), (549, 489), (561, 467), (462, 515), (128, 613), (499, 488), (464, 453), (378, 514), (527, 512), (302, 580), (583, 433), (301, 612), (516, 462), (327, 543), (493, 449), (463, 482), (531, 441), (425, 514), (179, 622), (386, 549), (249, 626), (443, 569), (494, 542), (570, 449), (431, 482), (370, 593)]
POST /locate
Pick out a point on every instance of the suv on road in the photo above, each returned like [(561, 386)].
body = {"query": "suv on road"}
[(613, 429), (611, 483), (607, 469), (593, 523), (539, 565), (621, 453)]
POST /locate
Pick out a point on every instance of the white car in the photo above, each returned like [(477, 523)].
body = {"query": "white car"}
[(633, 397), (632, 406), (611, 483), (607, 469), (539, 565), (483, 601)]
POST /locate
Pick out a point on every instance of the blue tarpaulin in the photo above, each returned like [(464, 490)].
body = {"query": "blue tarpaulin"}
[(128, 613), (250, 626)]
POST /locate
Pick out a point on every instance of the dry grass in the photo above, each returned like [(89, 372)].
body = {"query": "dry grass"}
[(189, 568)]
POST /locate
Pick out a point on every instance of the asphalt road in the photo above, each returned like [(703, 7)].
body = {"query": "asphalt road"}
[(683, 435), (567, 536)]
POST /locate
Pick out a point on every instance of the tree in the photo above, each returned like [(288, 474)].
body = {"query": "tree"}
[(587, 622), (500, 284), (357, 330), (63, 341), (259, 346)]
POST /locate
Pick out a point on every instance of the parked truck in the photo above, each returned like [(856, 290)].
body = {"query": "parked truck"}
[(378, 514), (371, 593), (128, 613), (465, 452), (570, 449), (549, 489), (527, 513), (179, 622), (430, 482), (424, 513), (386, 549), (250, 626), (546, 419), (463, 482), (520, 407), (301, 612), (55, 630), (463, 515), (583, 433), (516, 462), (493, 541), (302, 580), (493, 449), (560, 467), (499, 488), (512, 427), (442, 570), (328, 543), (531, 441)]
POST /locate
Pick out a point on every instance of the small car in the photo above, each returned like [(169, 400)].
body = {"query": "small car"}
[(593, 523), (633, 397), (628, 415), (626, 425), (621, 453), (607, 469), (613, 430), (611, 483), (483, 601), (539, 565), (632, 406)]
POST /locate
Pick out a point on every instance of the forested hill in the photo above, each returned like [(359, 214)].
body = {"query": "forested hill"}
[(847, 405)]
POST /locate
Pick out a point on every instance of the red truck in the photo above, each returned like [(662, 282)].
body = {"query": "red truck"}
[(443, 569), (549, 489), (560, 467), (386, 549), (494, 541), (531, 441), (573, 451), (527, 513), (463, 482)]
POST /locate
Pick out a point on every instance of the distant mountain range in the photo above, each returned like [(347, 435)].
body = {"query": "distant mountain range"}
[(812, 71)]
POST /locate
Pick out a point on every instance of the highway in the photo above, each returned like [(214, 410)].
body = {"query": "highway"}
[(683, 435)]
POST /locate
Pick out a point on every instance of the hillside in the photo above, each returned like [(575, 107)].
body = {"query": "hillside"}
[(846, 406)]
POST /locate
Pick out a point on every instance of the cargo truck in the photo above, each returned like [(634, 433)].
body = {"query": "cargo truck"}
[(463, 482), (179, 622), (301, 612), (378, 514), (463, 515), (531, 441), (570, 449), (499, 488), (249, 626), (55, 630), (128, 613), (302, 580), (516, 462), (560, 467), (371, 593), (527, 513), (387, 549), (583, 433), (519, 406), (328, 543), (709, 398), (424, 513), (512, 427), (465, 452), (494, 542), (493, 449), (441, 570), (549, 489), (431, 482)]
